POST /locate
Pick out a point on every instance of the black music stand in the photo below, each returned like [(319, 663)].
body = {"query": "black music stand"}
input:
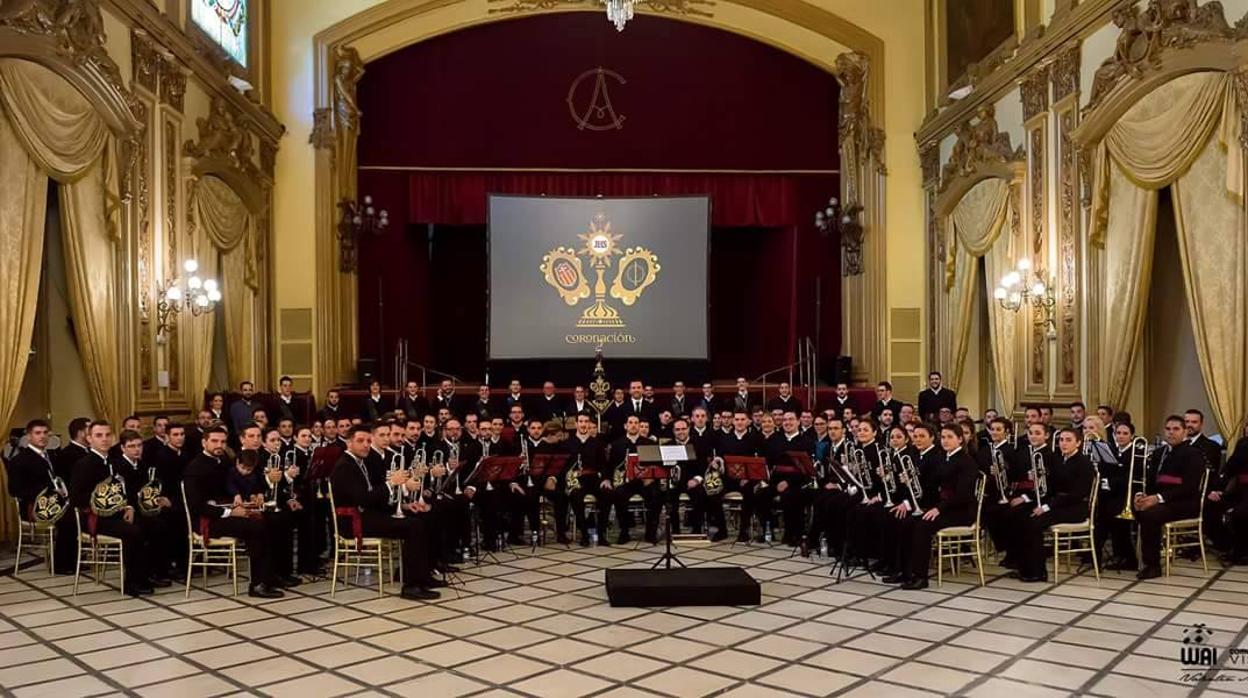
[(738, 468), (800, 463), (661, 462), (494, 469)]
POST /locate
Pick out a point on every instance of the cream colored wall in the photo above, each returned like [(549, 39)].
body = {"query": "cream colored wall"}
[(899, 23)]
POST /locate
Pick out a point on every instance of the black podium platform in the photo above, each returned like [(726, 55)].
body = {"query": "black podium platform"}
[(693, 586)]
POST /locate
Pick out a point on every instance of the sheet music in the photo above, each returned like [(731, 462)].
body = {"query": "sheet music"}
[(672, 453)]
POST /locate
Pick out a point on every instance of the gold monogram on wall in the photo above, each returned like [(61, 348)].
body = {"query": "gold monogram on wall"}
[(597, 113), (563, 269)]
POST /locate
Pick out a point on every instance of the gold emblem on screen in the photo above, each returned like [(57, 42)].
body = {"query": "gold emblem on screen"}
[(564, 269)]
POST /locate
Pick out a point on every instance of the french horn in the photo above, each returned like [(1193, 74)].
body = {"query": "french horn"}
[(108, 497), (51, 503), (150, 494)]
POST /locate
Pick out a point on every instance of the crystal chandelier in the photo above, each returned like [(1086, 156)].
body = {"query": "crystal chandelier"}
[(619, 12), (1022, 287), (193, 293)]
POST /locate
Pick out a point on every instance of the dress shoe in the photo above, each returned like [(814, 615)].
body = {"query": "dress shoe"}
[(652, 538), (583, 541), (416, 593), (721, 534), (1123, 566), (448, 569), (1032, 578), (434, 583), (603, 542), (915, 584), (897, 579), (624, 539), (563, 539), (1008, 564), (137, 590), (159, 581), (264, 591), (287, 581), (1149, 572)]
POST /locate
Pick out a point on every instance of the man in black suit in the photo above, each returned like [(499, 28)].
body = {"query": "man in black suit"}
[(885, 400), (31, 471), (936, 396), (785, 402), (445, 399), (1173, 494), (213, 513), (550, 406), (708, 400), (376, 405), (90, 470), (515, 397), (617, 456), (580, 403), (485, 406), (841, 400), (680, 404), (362, 494), (590, 454), (332, 409), (160, 435), (412, 403), (285, 406), (636, 405), (743, 400), (1210, 450)]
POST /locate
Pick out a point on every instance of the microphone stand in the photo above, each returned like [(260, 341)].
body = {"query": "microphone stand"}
[(668, 557)]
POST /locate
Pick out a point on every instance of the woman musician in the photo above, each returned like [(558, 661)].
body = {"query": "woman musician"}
[(1113, 460), (866, 459), (885, 520)]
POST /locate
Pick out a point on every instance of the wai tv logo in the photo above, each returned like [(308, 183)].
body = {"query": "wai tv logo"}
[(1196, 650)]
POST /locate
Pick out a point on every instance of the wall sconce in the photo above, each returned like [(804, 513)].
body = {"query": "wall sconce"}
[(844, 221), (1022, 287), (175, 295), (357, 221)]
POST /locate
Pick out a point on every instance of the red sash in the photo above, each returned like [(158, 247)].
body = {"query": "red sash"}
[(93, 523), (205, 529), (1169, 480), (357, 524), (1023, 485)]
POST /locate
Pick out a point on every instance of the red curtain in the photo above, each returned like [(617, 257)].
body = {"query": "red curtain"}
[(744, 200)]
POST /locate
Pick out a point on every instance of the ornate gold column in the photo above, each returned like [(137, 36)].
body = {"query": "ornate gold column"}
[(1064, 78), (335, 132), (863, 296), (1034, 93)]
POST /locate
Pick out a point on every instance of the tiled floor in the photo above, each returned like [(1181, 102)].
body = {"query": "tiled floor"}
[(540, 626)]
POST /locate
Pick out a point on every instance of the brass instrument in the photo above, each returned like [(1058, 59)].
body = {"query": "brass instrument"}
[(888, 478), (856, 469), (150, 494), (524, 466), (621, 472), (913, 484), (109, 496), (291, 461), (1136, 485), (421, 460), (999, 473), (396, 493), (274, 463), (1039, 476), (713, 482), (51, 503), (452, 464), (572, 482)]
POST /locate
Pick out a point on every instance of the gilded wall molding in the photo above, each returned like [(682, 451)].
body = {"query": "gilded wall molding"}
[(982, 150), (1034, 93), (856, 128), (322, 135), (172, 248), (144, 61), (226, 149), (1064, 72), (172, 83), (143, 235)]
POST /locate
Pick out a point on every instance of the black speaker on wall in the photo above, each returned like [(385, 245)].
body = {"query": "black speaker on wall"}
[(366, 371)]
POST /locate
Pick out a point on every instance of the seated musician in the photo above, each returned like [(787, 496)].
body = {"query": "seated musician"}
[(214, 514), (31, 472), (787, 483), (1174, 494), (92, 469), (491, 501), (588, 451), (862, 540), (1007, 479), (524, 493), (888, 520), (692, 475), (741, 440), (836, 490), (459, 457), (1061, 496), (951, 503), (1104, 457), (258, 480), (364, 495), (554, 487), (1226, 512), (158, 519), (648, 488), (1022, 489), (1112, 500), (708, 509), (310, 519)]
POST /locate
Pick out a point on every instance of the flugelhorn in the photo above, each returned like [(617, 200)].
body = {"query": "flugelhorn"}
[(913, 483)]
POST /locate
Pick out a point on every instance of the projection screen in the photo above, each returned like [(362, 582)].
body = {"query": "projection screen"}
[(570, 274)]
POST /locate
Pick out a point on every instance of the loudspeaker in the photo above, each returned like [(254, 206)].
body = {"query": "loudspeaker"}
[(841, 371), (366, 371)]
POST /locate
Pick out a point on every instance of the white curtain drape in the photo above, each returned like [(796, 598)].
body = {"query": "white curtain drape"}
[(1184, 134), (977, 225)]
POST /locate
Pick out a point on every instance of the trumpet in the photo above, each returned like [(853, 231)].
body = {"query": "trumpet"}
[(913, 484), (855, 465), (291, 461), (439, 459), (1137, 475), (452, 464), (1039, 475), (274, 463), (396, 494), (421, 460), (999, 473), (524, 466), (887, 476)]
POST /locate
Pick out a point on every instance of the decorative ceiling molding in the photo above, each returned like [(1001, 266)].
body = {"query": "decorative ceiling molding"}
[(1064, 72), (226, 149), (1163, 25), (1034, 93), (669, 7)]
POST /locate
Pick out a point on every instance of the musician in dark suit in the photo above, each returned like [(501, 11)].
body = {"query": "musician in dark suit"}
[(333, 408), (743, 400), (680, 404), (741, 440), (787, 483), (841, 400), (589, 453), (1210, 450), (1000, 462), (936, 396), (1174, 494), (31, 471), (785, 402), (460, 456), (955, 507), (1113, 497), (615, 414), (364, 492), (638, 406), (411, 403), (1062, 495), (580, 404), (837, 489), (213, 513), (1226, 512), (885, 400), (708, 400), (90, 470), (515, 397), (284, 407), (524, 493), (550, 405), (485, 406), (617, 458), (445, 399), (376, 405), (160, 433)]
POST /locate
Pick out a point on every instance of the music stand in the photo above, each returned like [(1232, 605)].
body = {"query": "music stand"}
[(798, 463), (661, 461), (495, 469)]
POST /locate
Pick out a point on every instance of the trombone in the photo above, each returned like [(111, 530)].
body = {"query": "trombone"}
[(1137, 475)]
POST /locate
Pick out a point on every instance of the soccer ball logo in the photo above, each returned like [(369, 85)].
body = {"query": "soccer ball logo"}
[(1197, 634)]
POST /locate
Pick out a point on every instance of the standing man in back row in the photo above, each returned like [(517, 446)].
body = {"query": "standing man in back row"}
[(934, 397)]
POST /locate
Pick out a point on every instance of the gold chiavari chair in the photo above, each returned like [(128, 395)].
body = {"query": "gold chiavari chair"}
[(221, 551), (957, 542), (1079, 537), (100, 552), (33, 537), (1186, 533), (350, 551)]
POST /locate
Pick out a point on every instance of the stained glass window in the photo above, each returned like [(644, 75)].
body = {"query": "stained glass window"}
[(225, 22)]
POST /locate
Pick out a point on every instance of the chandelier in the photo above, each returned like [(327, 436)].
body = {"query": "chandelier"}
[(197, 295), (843, 220), (1023, 287), (619, 12), (357, 221)]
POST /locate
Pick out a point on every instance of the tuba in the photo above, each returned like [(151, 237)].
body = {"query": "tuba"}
[(150, 494), (713, 482), (51, 503), (108, 497), (572, 483)]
